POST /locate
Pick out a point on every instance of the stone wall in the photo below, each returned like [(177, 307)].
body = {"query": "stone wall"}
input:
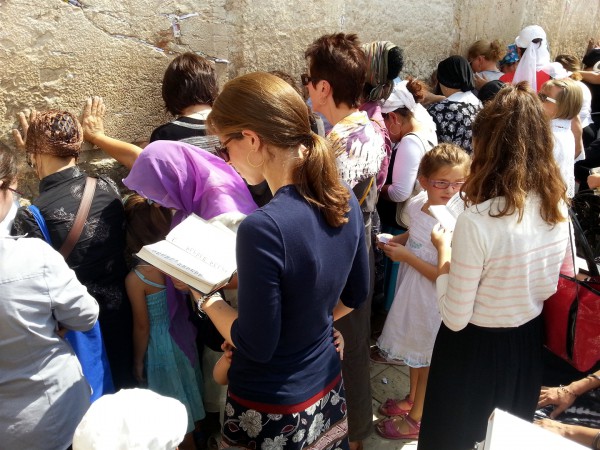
[(54, 54)]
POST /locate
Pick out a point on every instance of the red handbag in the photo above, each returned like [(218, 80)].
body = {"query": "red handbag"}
[(572, 314)]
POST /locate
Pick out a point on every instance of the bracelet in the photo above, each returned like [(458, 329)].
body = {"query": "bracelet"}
[(200, 302), (596, 442), (566, 390)]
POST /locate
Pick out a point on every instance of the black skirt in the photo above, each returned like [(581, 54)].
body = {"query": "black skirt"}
[(473, 371)]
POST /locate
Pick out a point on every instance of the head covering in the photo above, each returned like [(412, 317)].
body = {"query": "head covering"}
[(401, 97), (377, 69), (455, 73), (132, 419), (535, 57), (557, 71), (180, 176), (54, 132), (188, 179), (489, 90), (512, 56), (592, 58)]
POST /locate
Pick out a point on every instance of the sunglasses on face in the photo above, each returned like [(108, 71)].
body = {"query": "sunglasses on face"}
[(305, 79), (222, 150), (439, 184), (544, 98)]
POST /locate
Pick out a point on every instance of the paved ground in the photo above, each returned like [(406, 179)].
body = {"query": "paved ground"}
[(386, 382), (397, 387)]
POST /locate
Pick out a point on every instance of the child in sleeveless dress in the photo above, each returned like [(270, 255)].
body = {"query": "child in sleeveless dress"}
[(413, 321), (158, 362)]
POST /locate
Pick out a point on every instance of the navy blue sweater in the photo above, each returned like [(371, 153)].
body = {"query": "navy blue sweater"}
[(293, 268)]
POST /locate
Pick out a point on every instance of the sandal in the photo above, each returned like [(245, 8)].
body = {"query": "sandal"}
[(387, 429), (390, 407), (376, 357)]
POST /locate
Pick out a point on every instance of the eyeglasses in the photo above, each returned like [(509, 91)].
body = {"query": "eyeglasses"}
[(305, 79), (544, 98), (222, 150), (14, 191), (439, 184)]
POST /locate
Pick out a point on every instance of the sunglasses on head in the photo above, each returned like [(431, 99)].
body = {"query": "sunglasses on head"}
[(544, 98), (305, 79)]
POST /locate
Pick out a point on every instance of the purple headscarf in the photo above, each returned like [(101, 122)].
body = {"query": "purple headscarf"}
[(180, 176)]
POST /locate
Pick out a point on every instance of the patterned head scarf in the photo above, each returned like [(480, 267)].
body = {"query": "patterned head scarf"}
[(54, 132), (512, 56), (455, 73), (377, 69)]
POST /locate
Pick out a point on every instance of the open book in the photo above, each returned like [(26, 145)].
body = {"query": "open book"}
[(507, 432), (199, 253), (448, 213)]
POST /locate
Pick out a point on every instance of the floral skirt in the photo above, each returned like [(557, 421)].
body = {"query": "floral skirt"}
[(317, 424)]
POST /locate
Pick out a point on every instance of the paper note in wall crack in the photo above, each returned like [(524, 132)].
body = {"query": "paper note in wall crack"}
[(199, 253)]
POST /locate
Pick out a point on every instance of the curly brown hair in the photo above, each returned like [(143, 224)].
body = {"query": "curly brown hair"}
[(513, 155)]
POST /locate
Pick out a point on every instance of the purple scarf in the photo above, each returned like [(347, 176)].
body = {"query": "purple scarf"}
[(190, 180)]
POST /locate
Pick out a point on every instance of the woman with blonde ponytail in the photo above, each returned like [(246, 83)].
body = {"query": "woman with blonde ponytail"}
[(302, 263)]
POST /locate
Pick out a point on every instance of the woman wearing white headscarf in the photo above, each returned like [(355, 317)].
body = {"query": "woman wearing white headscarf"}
[(532, 47), (412, 132)]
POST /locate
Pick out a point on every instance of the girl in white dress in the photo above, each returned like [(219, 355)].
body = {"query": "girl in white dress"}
[(413, 321)]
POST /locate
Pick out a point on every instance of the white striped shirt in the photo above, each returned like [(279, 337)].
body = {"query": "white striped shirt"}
[(501, 270)]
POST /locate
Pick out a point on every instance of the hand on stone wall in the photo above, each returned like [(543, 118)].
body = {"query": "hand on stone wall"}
[(92, 119), (20, 134)]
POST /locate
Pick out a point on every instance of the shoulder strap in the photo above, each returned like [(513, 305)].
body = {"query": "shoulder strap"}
[(80, 218), (147, 281), (37, 215), (431, 145)]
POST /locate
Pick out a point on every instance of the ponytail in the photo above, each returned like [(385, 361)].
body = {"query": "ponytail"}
[(316, 178)]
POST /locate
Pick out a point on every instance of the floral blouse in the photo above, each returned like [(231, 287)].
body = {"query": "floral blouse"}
[(453, 120)]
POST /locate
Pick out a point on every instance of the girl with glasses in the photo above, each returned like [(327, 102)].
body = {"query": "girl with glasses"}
[(413, 321)]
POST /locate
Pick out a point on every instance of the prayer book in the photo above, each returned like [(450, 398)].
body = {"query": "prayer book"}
[(448, 213), (508, 432), (199, 253)]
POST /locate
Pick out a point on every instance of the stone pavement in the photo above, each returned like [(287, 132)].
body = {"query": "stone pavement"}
[(387, 381)]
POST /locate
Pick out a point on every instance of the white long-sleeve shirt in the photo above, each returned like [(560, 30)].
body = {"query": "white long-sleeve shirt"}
[(564, 152), (501, 270), (409, 152)]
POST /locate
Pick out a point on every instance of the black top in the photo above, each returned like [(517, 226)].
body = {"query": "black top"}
[(186, 129), (97, 258)]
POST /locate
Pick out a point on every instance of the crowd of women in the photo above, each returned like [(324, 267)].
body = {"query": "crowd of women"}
[(503, 128)]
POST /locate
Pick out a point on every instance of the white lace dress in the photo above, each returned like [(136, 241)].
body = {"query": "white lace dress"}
[(413, 321)]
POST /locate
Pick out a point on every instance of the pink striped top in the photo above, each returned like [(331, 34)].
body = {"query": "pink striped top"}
[(501, 270)]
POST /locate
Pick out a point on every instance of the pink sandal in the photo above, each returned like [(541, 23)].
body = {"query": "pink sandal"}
[(390, 407), (387, 429)]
